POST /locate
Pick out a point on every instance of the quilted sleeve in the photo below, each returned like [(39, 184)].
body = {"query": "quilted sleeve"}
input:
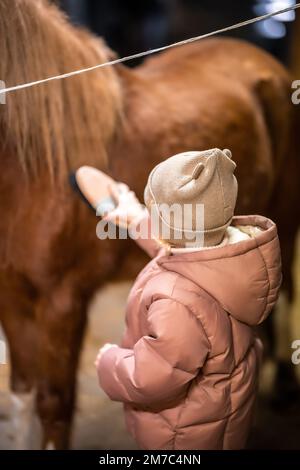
[(162, 363)]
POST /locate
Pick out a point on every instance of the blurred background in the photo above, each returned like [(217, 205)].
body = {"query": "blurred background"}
[(133, 26)]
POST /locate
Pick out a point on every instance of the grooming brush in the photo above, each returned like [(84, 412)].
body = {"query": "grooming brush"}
[(94, 188)]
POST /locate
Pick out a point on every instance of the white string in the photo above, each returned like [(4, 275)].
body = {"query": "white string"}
[(149, 52)]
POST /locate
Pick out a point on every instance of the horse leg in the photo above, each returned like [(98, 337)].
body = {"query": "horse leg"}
[(20, 330), (286, 212), (61, 320), (286, 387)]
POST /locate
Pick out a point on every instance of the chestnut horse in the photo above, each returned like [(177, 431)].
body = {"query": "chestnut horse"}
[(218, 93)]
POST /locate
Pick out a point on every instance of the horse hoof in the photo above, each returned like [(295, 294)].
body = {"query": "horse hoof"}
[(50, 446), (56, 435), (26, 433)]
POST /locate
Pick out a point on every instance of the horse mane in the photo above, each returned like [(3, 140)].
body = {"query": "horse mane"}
[(58, 125)]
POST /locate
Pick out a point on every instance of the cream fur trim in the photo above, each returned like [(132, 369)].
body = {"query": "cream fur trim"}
[(233, 234)]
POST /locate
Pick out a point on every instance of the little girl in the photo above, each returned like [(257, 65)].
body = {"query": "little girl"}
[(187, 368)]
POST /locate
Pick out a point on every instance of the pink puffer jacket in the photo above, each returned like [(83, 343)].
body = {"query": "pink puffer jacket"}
[(187, 369)]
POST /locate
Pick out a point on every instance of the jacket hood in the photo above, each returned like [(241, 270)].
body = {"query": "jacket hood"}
[(244, 277)]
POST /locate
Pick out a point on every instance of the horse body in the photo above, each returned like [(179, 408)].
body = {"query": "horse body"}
[(219, 93), (206, 95)]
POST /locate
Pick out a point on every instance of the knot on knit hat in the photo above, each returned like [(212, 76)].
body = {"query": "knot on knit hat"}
[(193, 195)]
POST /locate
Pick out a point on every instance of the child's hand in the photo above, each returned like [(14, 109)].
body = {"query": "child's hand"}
[(128, 209), (102, 350)]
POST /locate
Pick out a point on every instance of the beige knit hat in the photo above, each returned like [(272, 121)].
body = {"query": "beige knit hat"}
[(201, 190)]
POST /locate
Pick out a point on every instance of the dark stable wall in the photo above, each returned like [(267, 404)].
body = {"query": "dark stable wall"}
[(133, 25)]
